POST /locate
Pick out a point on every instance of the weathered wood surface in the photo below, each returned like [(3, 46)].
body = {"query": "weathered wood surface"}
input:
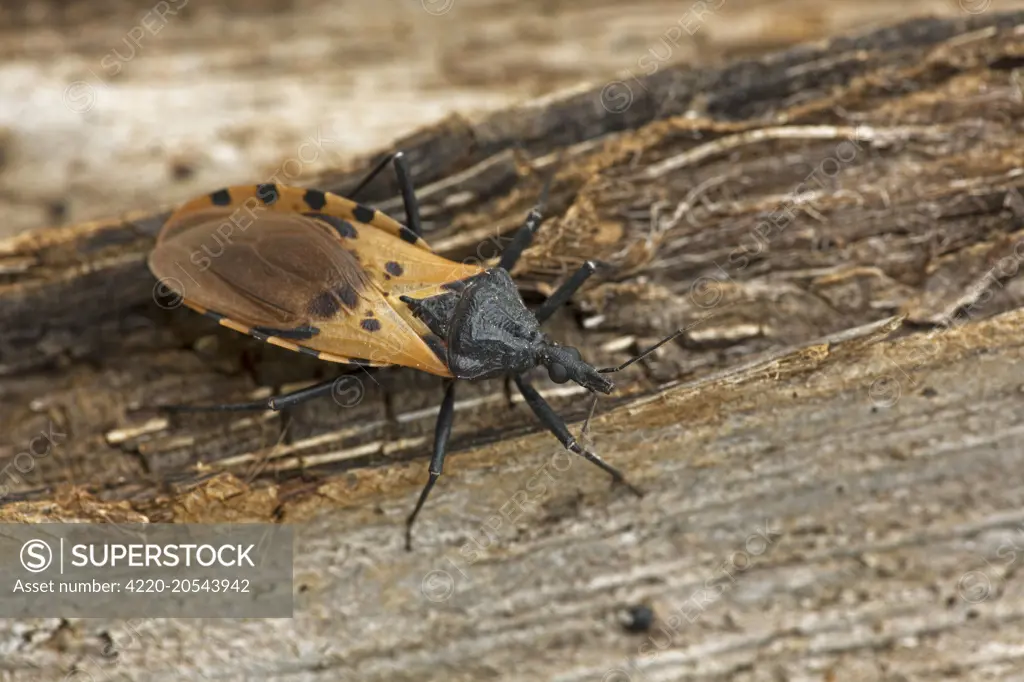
[(107, 106), (823, 189)]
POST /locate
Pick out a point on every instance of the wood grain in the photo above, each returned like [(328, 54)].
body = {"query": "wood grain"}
[(830, 452)]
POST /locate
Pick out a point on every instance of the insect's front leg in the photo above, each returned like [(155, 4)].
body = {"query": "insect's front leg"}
[(556, 425)]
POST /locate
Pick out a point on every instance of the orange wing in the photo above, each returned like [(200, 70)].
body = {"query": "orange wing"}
[(310, 286), (243, 201)]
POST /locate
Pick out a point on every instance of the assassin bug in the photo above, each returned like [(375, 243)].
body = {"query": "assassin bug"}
[(326, 276)]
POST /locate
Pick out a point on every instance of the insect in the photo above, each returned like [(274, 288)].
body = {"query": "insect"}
[(323, 275)]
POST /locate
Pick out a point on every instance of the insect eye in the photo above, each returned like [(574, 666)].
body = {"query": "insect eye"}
[(575, 354), (558, 373)]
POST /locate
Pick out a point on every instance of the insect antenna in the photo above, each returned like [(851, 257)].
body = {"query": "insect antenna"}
[(585, 431), (641, 356)]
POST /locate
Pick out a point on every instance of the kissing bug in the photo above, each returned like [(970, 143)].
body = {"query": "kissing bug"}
[(323, 275)]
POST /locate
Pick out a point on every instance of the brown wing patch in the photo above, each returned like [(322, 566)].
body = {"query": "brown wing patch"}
[(287, 271), (274, 274)]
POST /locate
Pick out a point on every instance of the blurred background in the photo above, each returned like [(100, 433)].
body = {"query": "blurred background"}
[(113, 105)]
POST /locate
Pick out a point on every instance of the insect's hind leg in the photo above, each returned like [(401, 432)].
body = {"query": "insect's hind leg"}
[(405, 185), (278, 402), (565, 292), (556, 425)]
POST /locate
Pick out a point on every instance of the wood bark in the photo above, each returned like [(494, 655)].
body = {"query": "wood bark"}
[(831, 452)]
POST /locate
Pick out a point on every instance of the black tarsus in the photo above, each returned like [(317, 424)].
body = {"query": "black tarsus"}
[(556, 425), (524, 235), (442, 430), (404, 176), (277, 402), (565, 292)]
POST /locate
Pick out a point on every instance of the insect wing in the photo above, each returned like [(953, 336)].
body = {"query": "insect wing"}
[(287, 271)]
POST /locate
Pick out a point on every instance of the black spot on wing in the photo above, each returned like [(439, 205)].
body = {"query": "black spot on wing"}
[(298, 333), (315, 199), (309, 351), (349, 297), (394, 268), (268, 193), (259, 336), (221, 197), (359, 361), (370, 325), (363, 214), (343, 227), (407, 235), (324, 306)]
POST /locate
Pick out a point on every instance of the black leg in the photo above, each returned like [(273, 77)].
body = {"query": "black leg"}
[(442, 430), (277, 402), (565, 292), (524, 235), (404, 176), (556, 425), (374, 172), (412, 206)]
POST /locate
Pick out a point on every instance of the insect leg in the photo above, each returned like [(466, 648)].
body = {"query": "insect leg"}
[(524, 235), (374, 172), (556, 425), (412, 206), (404, 176), (277, 402), (442, 430), (565, 292)]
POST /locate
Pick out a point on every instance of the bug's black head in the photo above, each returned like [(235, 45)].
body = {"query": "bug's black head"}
[(564, 363)]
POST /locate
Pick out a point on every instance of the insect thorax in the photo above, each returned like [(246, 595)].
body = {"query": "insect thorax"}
[(486, 326)]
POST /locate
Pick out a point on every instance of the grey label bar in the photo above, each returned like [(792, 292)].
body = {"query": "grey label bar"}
[(158, 570)]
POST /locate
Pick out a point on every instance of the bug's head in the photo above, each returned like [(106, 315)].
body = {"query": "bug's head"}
[(564, 363)]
